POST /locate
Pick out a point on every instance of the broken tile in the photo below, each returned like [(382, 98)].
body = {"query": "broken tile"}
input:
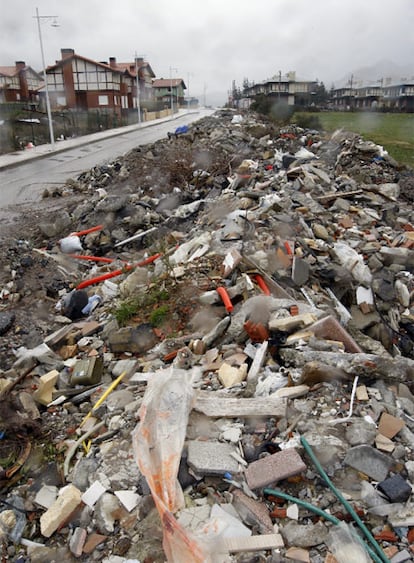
[(389, 425), (91, 496), (252, 512)]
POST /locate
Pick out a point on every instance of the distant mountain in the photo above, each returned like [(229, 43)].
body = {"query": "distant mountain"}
[(385, 70)]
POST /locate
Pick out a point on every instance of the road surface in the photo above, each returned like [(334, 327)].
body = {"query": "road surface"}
[(25, 183)]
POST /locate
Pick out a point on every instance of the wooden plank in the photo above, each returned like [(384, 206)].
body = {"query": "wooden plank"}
[(253, 543)]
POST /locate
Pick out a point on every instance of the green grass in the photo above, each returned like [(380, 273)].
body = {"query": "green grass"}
[(393, 131)]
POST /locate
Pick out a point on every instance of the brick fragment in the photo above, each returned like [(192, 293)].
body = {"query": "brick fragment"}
[(273, 468)]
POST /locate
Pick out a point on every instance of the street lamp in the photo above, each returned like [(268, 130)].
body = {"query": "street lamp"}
[(49, 113), (188, 83), (138, 92), (171, 91)]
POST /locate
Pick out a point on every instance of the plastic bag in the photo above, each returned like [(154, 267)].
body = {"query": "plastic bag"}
[(354, 262), (158, 441), (345, 546), (71, 244)]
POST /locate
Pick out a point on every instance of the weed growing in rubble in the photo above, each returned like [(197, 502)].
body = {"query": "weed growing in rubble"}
[(158, 316), (126, 310), (139, 304)]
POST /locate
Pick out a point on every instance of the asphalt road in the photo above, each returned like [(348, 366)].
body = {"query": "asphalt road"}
[(25, 183)]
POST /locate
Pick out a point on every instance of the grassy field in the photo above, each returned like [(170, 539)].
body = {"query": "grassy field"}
[(395, 132)]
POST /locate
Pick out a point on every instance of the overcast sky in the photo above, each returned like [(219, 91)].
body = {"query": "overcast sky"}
[(210, 43)]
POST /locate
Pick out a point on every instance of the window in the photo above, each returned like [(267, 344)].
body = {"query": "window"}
[(103, 100)]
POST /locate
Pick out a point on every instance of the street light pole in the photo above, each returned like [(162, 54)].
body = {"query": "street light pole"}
[(171, 92), (49, 113), (138, 92)]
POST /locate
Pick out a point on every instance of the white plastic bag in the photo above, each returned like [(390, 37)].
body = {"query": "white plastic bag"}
[(158, 441), (71, 244)]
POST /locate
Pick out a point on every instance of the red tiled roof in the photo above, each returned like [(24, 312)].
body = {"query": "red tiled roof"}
[(76, 56), (8, 70), (130, 67)]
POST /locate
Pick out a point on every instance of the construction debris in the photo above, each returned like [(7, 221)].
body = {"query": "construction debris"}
[(226, 310)]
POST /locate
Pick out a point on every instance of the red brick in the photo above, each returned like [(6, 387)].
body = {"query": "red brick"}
[(273, 468)]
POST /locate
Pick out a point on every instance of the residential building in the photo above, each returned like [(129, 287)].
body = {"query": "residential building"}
[(145, 74), (77, 82), (399, 96), (285, 88), (170, 91), (368, 97), (19, 83)]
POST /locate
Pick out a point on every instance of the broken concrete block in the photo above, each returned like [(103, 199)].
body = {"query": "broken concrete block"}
[(44, 393), (307, 535), (216, 406), (68, 500), (211, 458), (287, 324), (137, 339), (370, 461), (300, 271), (273, 468)]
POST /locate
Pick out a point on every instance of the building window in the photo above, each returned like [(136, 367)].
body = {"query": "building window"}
[(103, 100)]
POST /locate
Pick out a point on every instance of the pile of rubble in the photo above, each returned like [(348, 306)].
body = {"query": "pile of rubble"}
[(208, 355)]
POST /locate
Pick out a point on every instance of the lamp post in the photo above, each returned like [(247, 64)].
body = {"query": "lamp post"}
[(188, 83), (171, 91), (49, 113), (138, 92)]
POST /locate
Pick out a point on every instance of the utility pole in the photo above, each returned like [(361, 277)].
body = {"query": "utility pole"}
[(49, 112), (351, 81)]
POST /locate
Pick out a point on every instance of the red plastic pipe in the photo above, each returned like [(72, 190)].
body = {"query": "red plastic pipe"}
[(262, 284), (225, 298), (115, 273), (87, 231)]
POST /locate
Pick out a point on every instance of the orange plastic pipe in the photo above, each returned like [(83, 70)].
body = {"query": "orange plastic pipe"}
[(86, 231), (115, 273), (262, 284), (225, 298)]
